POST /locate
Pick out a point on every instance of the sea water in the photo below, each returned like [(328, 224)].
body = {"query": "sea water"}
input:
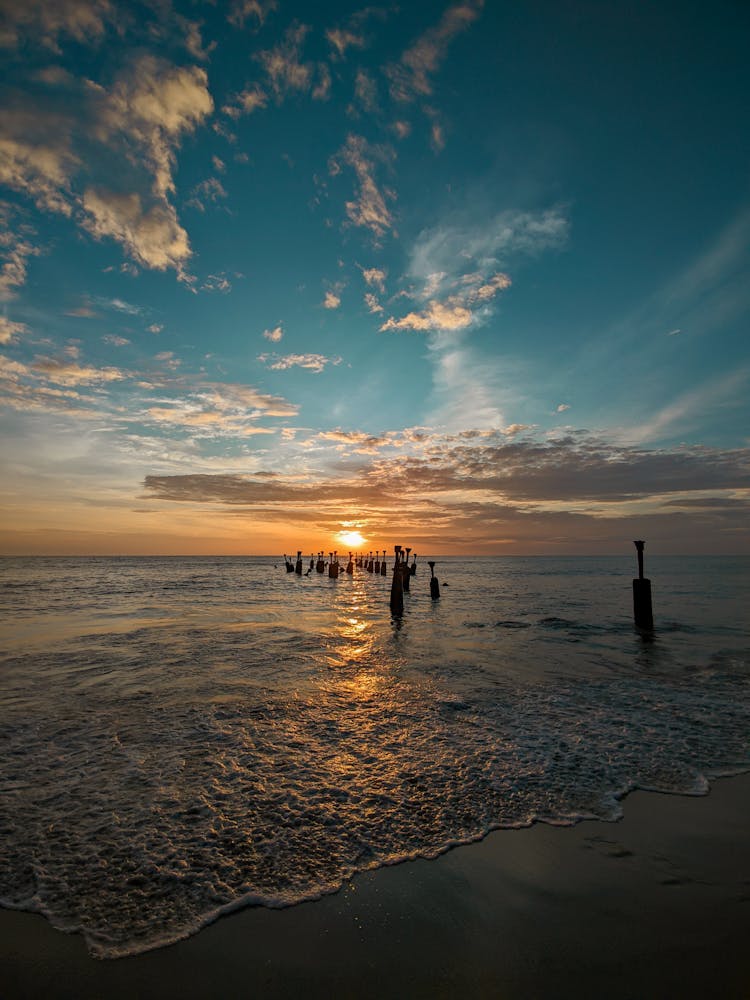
[(180, 737)]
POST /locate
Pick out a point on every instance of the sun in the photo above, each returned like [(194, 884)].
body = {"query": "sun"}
[(352, 538)]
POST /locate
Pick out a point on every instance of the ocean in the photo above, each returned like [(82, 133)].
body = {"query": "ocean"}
[(181, 737)]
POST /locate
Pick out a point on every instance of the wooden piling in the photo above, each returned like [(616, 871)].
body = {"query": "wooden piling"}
[(397, 585), (298, 565), (333, 566), (405, 571), (642, 611), (434, 583)]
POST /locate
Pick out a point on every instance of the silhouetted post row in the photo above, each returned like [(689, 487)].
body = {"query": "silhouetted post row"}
[(642, 611)]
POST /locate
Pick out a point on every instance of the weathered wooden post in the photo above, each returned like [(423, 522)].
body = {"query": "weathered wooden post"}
[(350, 565), (413, 569), (333, 567), (405, 571), (434, 582), (377, 561), (642, 612), (382, 565), (397, 585), (298, 565), (320, 565)]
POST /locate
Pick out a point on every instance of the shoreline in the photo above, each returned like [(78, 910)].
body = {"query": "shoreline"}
[(656, 903)]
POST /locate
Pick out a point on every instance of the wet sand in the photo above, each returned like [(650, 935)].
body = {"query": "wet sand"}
[(657, 905)]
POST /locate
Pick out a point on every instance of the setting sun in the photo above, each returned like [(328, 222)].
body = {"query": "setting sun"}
[(352, 538)]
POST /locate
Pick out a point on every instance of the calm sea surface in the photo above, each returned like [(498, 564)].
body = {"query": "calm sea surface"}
[(183, 736)]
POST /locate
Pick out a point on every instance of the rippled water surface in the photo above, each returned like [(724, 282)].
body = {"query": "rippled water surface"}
[(179, 737)]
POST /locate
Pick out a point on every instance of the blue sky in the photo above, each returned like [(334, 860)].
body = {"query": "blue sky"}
[(471, 276)]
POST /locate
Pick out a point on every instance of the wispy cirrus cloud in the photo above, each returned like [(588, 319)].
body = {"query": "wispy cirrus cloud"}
[(463, 245), (246, 102), (211, 409), (454, 267), (209, 191), (63, 372), (341, 39), (287, 73), (242, 12), (458, 311), (354, 33), (689, 409), (313, 362), (411, 77), (369, 209)]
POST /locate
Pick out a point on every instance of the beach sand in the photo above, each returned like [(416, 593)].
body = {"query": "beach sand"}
[(657, 905)]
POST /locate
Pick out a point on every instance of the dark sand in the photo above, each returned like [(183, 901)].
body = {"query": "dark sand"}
[(657, 905)]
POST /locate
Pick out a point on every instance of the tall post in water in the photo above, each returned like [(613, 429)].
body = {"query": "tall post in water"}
[(397, 585), (333, 567), (377, 561), (642, 613), (413, 569), (405, 571), (382, 565), (434, 583), (298, 565)]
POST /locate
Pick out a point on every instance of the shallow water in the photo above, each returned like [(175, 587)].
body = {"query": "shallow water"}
[(183, 736)]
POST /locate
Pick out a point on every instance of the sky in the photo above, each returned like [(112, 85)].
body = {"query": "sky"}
[(470, 277)]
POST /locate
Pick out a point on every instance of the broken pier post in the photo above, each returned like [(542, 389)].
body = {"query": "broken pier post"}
[(642, 612), (397, 585), (434, 583), (405, 571)]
